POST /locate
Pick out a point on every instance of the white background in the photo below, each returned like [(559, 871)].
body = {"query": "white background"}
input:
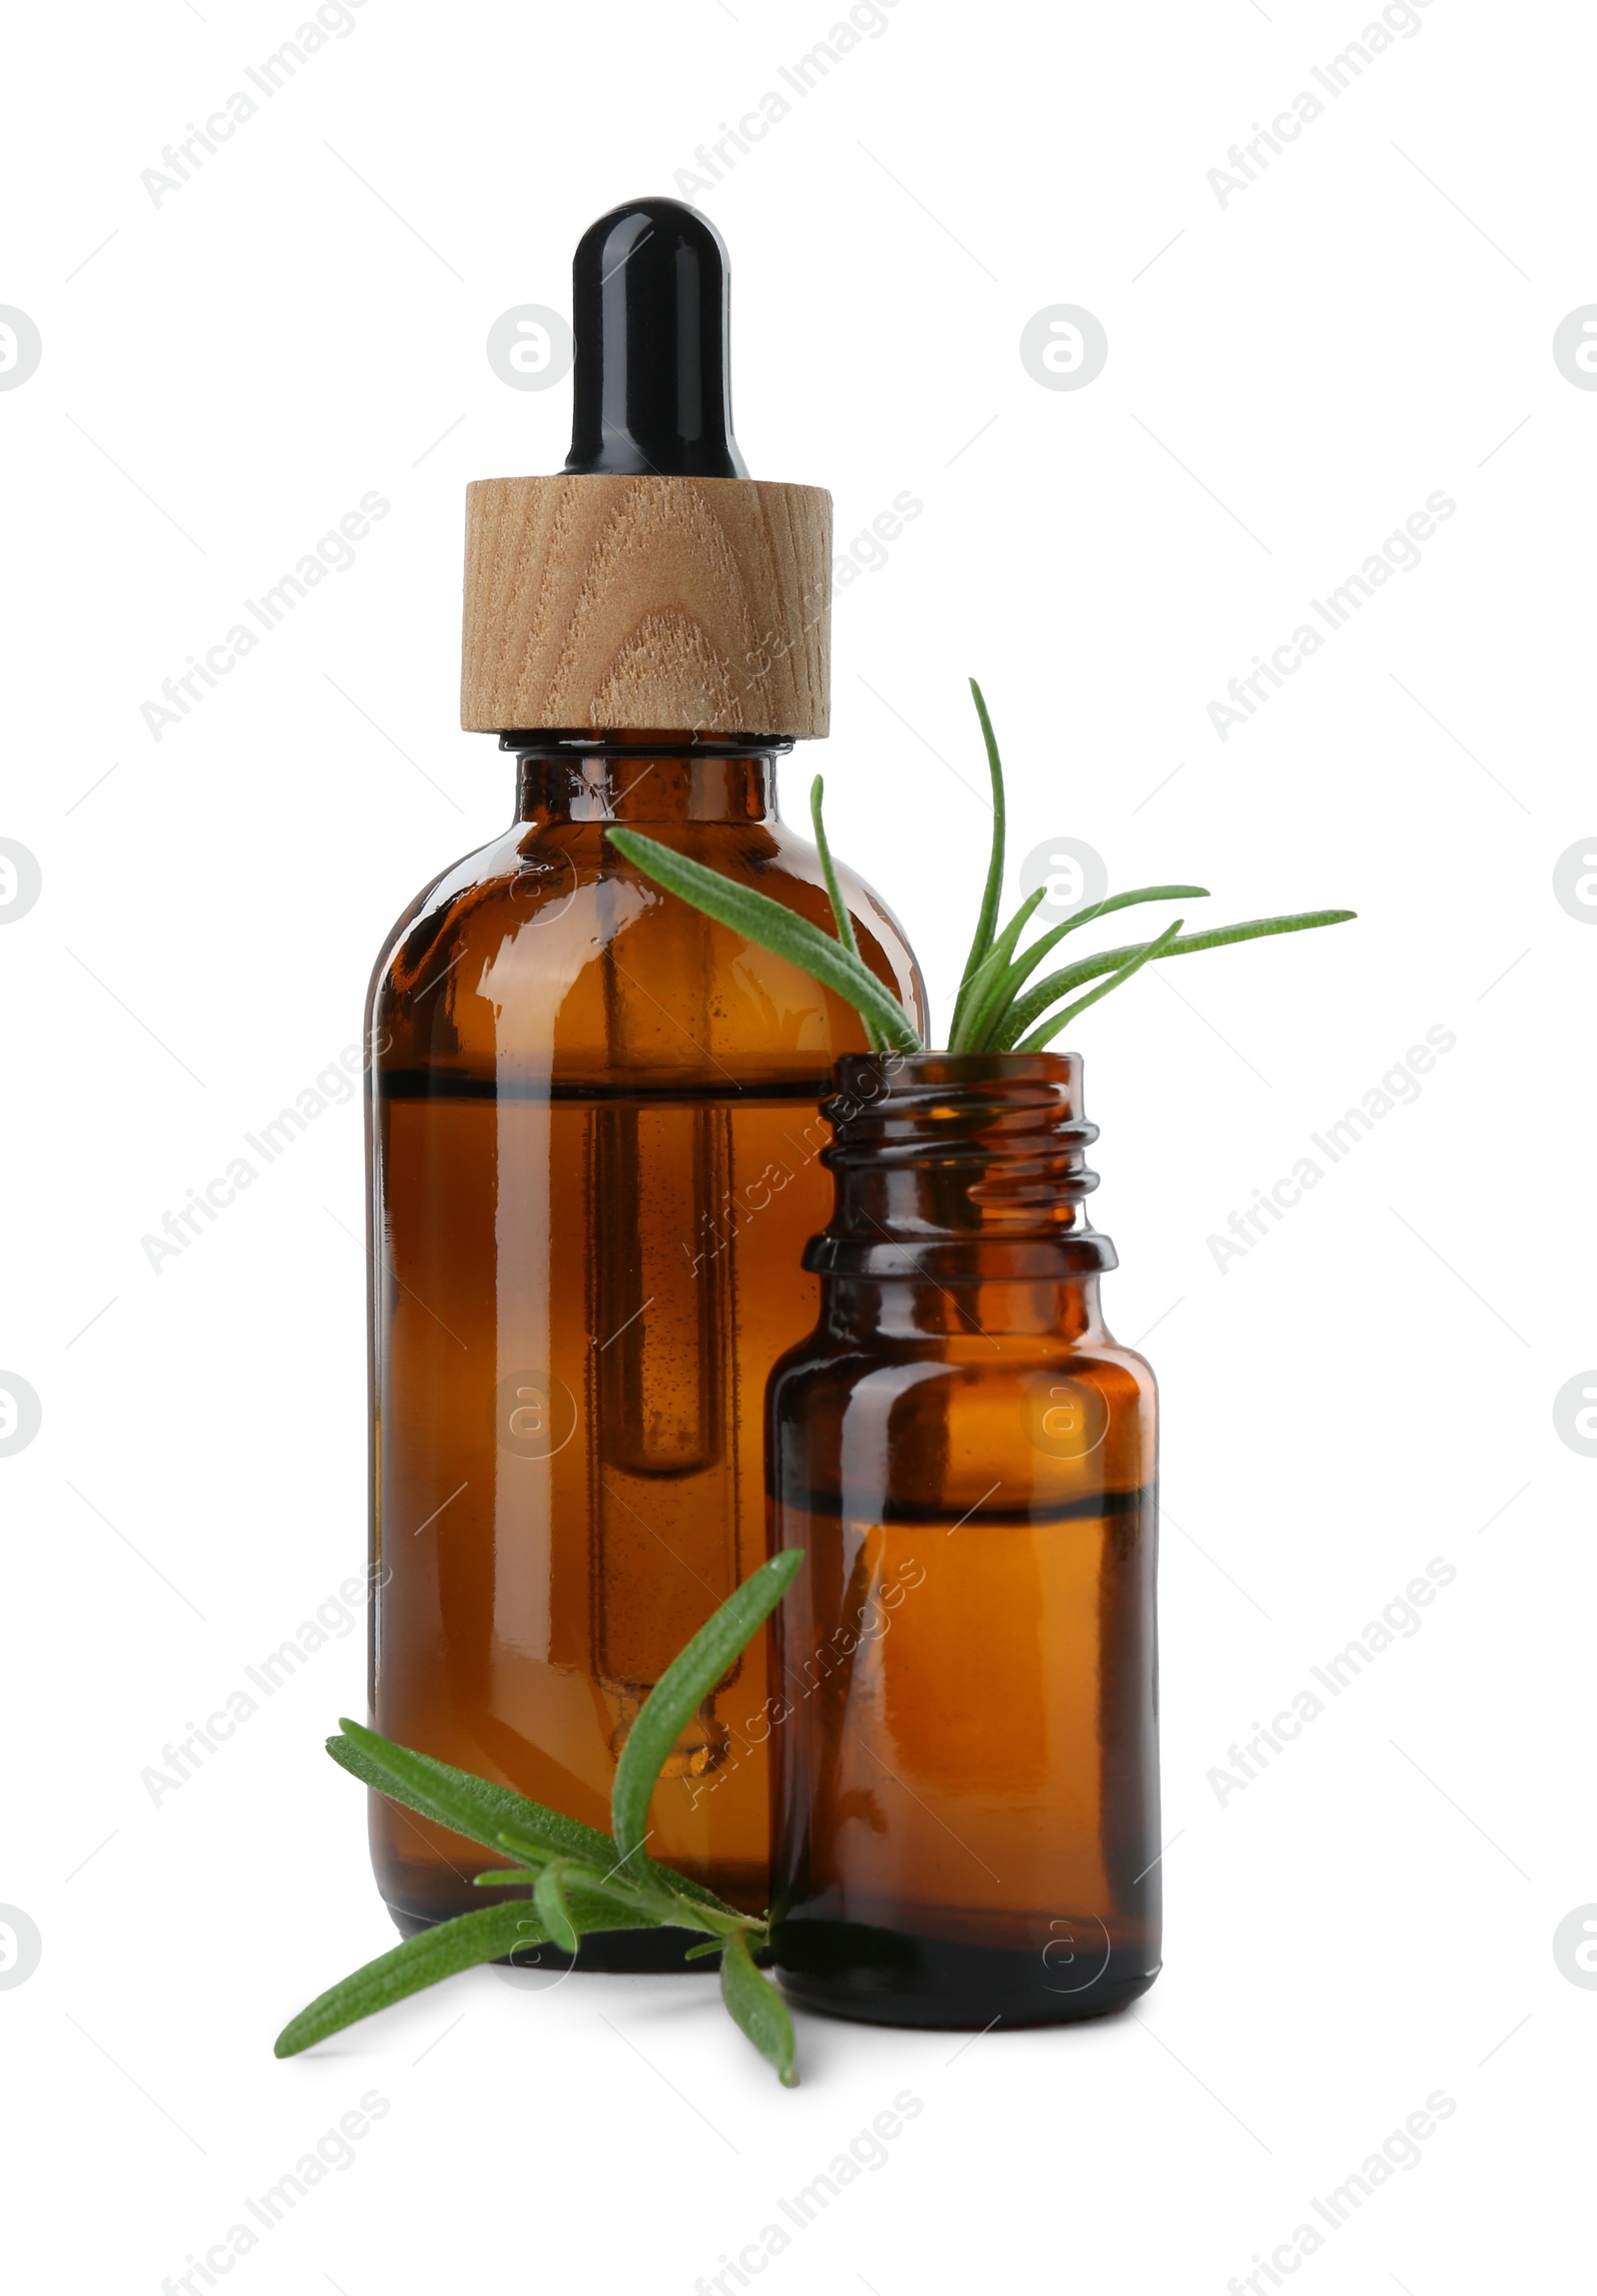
[(1290, 376)]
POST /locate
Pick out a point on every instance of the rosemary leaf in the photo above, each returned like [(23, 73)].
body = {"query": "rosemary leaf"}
[(465, 1804), (682, 1687), (986, 922), (758, 2007), (839, 907), (763, 920), (550, 1898), (417, 1962), (828, 869)]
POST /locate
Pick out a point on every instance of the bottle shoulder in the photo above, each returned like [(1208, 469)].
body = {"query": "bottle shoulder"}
[(872, 1358), (960, 1427), (544, 945)]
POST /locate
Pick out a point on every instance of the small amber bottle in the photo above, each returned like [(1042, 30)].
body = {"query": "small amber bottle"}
[(594, 1140), (963, 1712)]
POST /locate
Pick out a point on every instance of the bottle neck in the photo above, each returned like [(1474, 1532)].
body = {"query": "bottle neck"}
[(966, 1319), (644, 776), (961, 1185)]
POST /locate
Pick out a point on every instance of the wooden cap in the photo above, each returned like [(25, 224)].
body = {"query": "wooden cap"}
[(601, 600)]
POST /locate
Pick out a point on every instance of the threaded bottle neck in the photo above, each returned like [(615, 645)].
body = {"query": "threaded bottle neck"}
[(953, 1168)]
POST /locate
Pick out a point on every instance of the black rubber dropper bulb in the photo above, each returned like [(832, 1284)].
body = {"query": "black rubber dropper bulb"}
[(649, 390)]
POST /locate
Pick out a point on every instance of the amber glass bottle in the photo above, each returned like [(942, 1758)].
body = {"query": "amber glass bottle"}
[(594, 1134), (595, 1167), (963, 1717)]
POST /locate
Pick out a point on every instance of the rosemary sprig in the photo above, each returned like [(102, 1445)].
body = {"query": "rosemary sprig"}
[(583, 1880), (994, 1010)]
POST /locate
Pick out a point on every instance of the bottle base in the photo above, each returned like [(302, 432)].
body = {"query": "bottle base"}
[(889, 1977), (618, 1952)]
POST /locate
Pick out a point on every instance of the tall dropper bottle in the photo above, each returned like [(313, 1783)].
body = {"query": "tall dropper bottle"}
[(594, 1141)]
